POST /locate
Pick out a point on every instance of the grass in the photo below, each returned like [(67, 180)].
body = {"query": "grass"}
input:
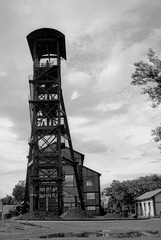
[(33, 230)]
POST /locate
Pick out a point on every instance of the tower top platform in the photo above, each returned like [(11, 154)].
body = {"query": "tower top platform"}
[(45, 40)]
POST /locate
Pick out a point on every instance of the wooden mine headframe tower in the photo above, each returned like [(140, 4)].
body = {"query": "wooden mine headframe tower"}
[(49, 125)]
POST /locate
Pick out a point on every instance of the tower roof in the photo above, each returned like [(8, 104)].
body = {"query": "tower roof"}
[(46, 35)]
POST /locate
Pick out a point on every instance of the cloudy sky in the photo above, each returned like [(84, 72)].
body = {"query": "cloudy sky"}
[(110, 121)]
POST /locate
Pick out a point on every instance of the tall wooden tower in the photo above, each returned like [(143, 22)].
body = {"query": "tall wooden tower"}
[(49, 126)]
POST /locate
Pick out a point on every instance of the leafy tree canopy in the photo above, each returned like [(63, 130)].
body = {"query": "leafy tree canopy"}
[(148, 75), (19, 191), (126, 192), (8, 200)]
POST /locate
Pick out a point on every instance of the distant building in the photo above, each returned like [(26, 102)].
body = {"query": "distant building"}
[(149, 204), (90, 184)]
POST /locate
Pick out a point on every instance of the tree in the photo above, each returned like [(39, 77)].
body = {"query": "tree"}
[(157, 135), (148, 75), (125, 192), (19, 191), (8, 200), (120, 194)]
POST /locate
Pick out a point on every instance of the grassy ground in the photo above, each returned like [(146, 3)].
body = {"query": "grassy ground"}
[(34, 230)]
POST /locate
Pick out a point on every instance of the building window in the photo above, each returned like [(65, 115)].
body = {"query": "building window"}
[(91, 208), (89, 183), (68, 181), (90, 195)]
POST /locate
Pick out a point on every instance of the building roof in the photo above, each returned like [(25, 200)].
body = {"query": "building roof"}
[(92, 170), (65, 152), (47, 34), (148, 195)]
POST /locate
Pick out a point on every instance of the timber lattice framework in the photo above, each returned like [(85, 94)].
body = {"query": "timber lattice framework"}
[(49, 125)]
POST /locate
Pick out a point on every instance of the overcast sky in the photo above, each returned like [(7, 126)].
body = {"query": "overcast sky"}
[(110, 121)]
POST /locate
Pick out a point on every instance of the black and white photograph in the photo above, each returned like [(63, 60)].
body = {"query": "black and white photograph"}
[(80, 119)]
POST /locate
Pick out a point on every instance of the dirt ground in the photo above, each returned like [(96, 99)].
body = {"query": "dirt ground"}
[(65, 230)]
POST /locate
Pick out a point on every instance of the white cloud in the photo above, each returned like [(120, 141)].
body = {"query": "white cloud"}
[(108, 106), (79, 79), (74, 95), (108, 77), (137, 134), (77, 123), (6, 132), (13, 157), (6, 123), (3, 73)]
